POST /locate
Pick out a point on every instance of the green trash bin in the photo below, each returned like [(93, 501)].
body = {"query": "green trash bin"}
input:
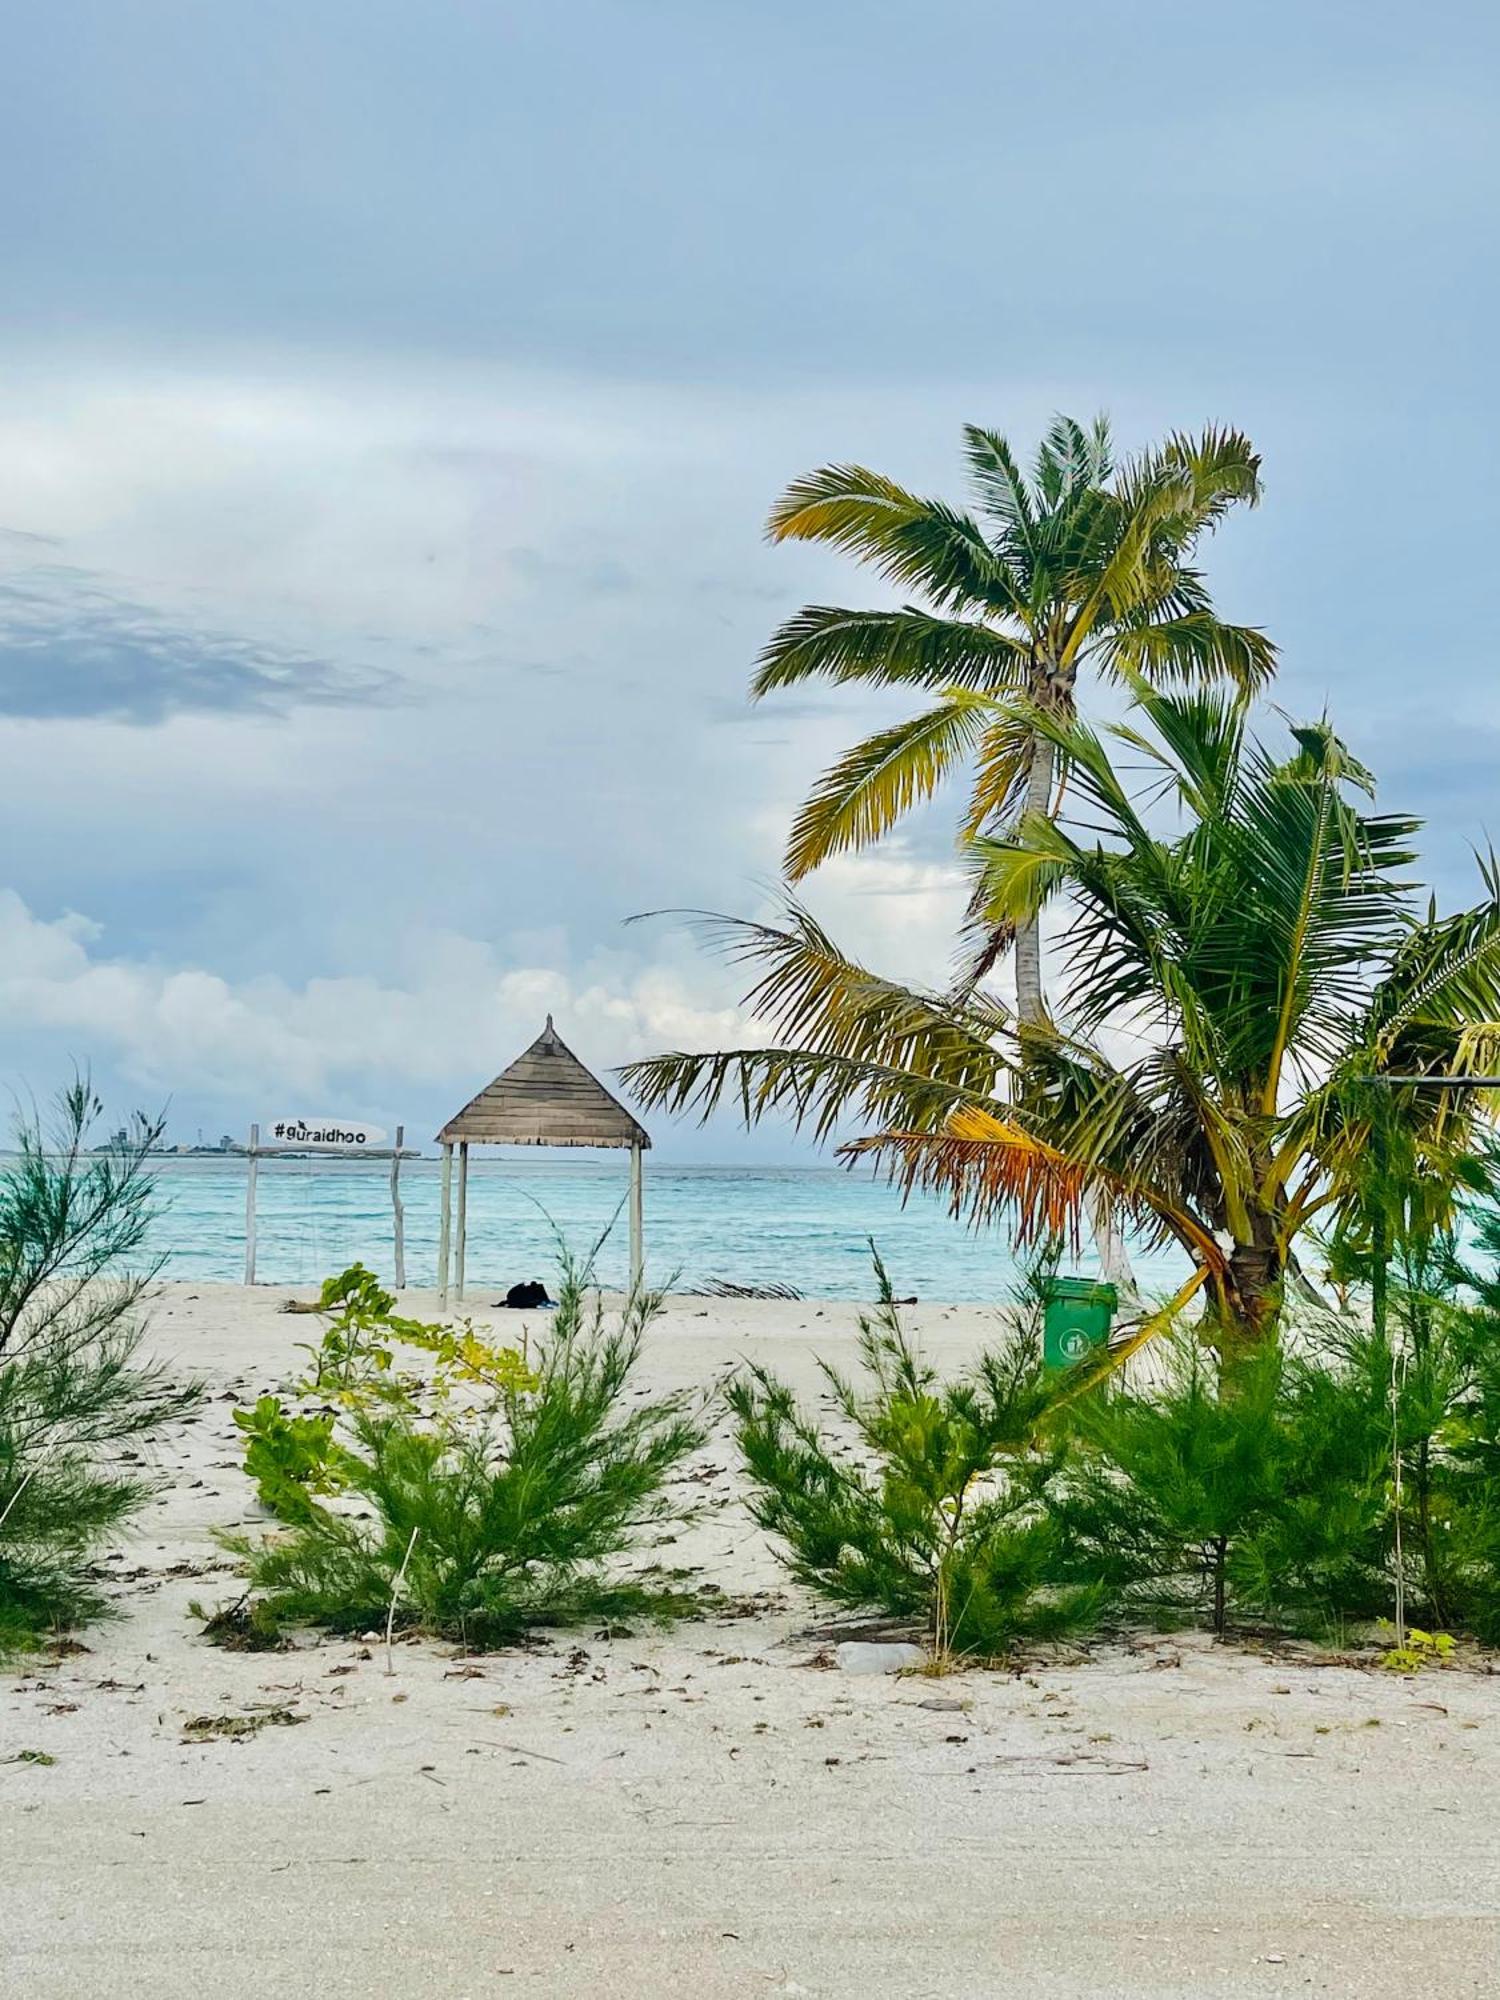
[(1076, 1318)]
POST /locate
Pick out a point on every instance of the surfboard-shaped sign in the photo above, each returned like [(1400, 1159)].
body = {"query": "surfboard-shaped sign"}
[(325, 1135)]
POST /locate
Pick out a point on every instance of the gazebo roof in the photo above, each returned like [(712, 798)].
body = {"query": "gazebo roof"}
[(545, 1098)]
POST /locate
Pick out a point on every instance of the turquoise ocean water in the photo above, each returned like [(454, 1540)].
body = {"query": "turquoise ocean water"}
[(803, 1226)]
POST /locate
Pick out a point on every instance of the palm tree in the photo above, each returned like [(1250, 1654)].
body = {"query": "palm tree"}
[(1259, 965), (1085, 565)]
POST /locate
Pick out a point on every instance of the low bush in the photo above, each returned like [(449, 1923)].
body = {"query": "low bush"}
[(1438, 1373), (495, 1493), (73, 1388), (941, 1516), (1260, 1493)]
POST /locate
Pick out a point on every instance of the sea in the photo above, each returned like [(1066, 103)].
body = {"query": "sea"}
[(806, 1227)]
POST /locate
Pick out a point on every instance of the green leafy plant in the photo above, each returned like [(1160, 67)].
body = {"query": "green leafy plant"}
[(360, 1345), (290, 1457), (942, 1518), (294, 1455), (72, 1385), (1420, 1649), (491, 1498)]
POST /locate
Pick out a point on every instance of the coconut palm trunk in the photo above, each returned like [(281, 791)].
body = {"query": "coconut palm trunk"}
[(1032, 1012), (1031, 999)]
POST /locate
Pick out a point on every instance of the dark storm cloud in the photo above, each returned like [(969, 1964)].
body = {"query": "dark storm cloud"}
[(70, 648)]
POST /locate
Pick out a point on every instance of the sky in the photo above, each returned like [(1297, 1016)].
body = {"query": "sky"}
[(392, 397)]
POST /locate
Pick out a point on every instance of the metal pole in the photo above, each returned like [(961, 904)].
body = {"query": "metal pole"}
[(463, 1213), (254, 1152), (637, 1221), (444, 1213), (398, 1214), (1435, 1082)]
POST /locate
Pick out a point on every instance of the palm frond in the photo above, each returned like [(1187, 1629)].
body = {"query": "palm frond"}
[(919, 544), (1001, 485), (999, 1170), (1000, 771), (1445, 974), (873, 785), (889, 648), (1194, 647), (845, 1039), (1224, 469), (1071, 459), (816, 1092)]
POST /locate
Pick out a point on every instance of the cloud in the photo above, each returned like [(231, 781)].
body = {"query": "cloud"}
[(185, 1029), (72, 647)]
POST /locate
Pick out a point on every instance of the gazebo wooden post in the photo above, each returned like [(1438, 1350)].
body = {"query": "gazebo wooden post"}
[(444, 1215), (398, 1213), (463, 1218), (637, 1220), (252, 1162)]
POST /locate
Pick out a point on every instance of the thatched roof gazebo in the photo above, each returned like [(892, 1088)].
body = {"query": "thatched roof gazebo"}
[(545, 1098)]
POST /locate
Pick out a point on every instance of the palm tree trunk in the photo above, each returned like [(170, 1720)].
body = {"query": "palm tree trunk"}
[(1031, 1007), (1249, 1295)]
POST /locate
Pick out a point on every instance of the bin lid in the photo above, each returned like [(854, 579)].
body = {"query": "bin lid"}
[(1092, 1290)]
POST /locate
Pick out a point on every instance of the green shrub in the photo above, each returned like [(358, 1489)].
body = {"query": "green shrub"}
[(1431, 1367), (72, 1386), (942, 1519), (1441, 1370), (293, 1456), (1256, 1494), (290, 1457), (499, 1489)]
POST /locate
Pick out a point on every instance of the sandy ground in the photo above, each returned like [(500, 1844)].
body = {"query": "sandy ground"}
[(711, 1813)]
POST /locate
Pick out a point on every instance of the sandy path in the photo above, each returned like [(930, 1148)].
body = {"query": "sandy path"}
[(706, 1815)]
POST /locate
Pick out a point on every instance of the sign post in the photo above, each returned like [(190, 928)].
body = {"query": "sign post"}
[(291, 1138), (253, 1150), (398, 1213)]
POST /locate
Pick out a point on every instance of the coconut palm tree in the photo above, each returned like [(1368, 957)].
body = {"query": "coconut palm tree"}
[(1230, 985), (1086, 565)]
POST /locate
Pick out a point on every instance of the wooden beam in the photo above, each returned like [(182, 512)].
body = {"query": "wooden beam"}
[(637, 1220), (253, 1163), (463, 1215), (398, 1213), (444, 1216)]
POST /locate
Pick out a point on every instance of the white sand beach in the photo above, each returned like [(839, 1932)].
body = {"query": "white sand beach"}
[(715, 1812)]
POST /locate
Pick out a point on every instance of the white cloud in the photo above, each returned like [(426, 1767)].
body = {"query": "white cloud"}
[(892, 909), (188, 1029)]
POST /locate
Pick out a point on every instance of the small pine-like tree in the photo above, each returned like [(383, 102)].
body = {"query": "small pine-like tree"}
[(1258, 1494), (495, 1503), (1440, 1364), (72, 1385), (941, 1517)]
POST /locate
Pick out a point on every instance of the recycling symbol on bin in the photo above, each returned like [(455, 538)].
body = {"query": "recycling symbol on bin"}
[(1075, 1343)]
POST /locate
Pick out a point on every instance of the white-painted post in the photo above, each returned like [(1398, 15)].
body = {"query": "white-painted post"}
[(637, 1221), (254, 1161), (398, 1213), (463, 1215), (444, 1214)]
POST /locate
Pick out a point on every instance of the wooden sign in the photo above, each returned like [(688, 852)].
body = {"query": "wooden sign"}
[(324, 1135)]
